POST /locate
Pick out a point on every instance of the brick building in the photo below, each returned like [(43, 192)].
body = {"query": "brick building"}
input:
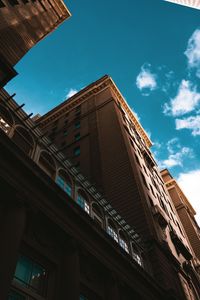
[(98, 132), (60, 237), (185, 211), (23, 23)]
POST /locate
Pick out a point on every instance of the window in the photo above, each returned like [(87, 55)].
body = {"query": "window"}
[(77, 124), (64, 182), (31, 275), (13, 2), (123, 243), (83, 297), (65, 132), (77, 151), (77, 136), (112, 231), (137, 159), (83, 203), (144, 180), (136, 255), (97, 214)]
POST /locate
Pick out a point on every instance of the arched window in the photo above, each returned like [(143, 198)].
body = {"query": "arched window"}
[(64, 181), (82, 200), (6, 119), (23, 139), (123, 241), (112, 230), (47, 163), (97, 214), (136, 254)]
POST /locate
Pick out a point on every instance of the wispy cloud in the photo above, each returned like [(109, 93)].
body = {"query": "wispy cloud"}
[(186, 100), (193, 52), (176, 154), (176, 159), (189, 183), (192, 123), (71, 92), (146, 80)]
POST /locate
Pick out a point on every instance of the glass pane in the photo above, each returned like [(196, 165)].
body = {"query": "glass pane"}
[(15, 296), (60, 182), (68, 189), (80, 201), (23, 270), (37, 280)]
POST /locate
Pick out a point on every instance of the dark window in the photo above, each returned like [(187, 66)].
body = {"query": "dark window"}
[(78, 108), (64, 182), (77, 124), (13, 2), (25, 1), (137, 159), (78, 113), (65, 132), (77, 136), (31, 275), (77, 151), (144, 180), (66, 122)]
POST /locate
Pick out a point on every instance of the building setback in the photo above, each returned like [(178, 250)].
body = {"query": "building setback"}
[(23, 23), (99, 133), (185, 211)]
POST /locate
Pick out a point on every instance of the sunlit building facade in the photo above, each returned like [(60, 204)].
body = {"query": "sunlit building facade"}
[(23, 23), (97, 131), (185, 211)]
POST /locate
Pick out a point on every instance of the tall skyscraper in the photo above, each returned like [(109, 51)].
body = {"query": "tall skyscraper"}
[(99, 133), (189, 3), (23, 23), (185, 211)]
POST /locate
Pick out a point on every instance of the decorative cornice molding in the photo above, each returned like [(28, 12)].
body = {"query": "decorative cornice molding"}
[(86, 93)]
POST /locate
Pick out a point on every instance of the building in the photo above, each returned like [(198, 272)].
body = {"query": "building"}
[(60, 237), (98, 132), (189, 3), (185, 211), (23, 23)]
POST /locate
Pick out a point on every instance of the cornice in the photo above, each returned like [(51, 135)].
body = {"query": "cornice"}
[(86, 93), (172, 183)]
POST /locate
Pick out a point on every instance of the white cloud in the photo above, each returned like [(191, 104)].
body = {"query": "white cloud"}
[(185, 101), (71, 93), (193, 51), (176, 159), (146, 80), (189, 183), (175, 152), (192, 123)]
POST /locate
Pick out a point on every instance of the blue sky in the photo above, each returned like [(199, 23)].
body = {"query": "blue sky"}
[(151, 49)]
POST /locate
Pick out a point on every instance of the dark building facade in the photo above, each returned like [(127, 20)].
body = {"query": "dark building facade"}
[(60, 237), (23, 23), (185, 211), (98, 132)]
